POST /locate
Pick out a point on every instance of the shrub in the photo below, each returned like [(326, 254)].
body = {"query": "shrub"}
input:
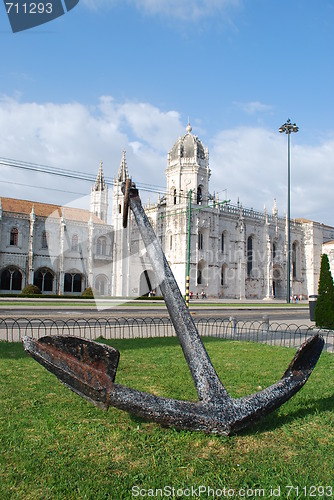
[(89, 293), (31, 290), (324, 308)]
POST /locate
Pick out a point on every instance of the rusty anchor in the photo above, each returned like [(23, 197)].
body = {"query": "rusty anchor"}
[(89, 368)]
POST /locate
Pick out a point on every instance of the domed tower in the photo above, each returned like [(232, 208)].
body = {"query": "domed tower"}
[(188, 168)]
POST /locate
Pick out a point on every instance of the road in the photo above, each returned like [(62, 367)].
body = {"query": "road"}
[(278, 313), (23, 319)]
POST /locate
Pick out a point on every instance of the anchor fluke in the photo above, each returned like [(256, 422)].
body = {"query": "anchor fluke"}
[(87, 368), (305, 358)]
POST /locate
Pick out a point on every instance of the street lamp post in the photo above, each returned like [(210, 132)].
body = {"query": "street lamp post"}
[(288, 128), (188, 248)]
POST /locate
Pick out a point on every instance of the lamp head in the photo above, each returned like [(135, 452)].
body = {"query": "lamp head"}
[(288, 127)]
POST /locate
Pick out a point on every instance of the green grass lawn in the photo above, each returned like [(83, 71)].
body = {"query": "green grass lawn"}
[(55, 445)]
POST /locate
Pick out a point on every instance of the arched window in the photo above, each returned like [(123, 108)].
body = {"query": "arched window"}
[(45, 239), (200, 241), (73, 282), (174, 197), (249, 255), (170, 242), (101, 285), (222, 276), (274, 250), (77, 283), (11, 279), (16, 280), (5, 280), (48, 282), (14, 237), (43, 278), (101, 246), (294, 260), (199, 196), (75, 243), (201, 272), (68, 282), (222, 243)]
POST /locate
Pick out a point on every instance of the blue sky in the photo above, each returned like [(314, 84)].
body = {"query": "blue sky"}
[(120, 74)]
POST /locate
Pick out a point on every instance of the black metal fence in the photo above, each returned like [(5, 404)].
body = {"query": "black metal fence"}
[(289, 335)]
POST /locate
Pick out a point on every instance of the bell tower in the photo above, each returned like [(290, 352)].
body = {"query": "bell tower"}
[(121, 261), (188, 169)]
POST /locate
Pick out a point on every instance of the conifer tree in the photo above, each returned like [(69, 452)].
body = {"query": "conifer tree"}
[(324, 309)]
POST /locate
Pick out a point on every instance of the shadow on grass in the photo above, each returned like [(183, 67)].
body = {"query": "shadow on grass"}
[(15, 350), (12, 350), (274, 421), (155, 342), (271, 422), (126, 344)]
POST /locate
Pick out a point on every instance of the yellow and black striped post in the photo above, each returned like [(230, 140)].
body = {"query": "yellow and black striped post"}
[(187, 292)]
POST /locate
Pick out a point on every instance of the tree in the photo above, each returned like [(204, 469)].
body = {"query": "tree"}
[(324, 309)]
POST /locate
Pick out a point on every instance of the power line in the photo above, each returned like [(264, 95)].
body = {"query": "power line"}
[(43, 187), (73, 174)]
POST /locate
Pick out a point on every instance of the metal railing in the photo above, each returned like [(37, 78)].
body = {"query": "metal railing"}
[(283, 334)]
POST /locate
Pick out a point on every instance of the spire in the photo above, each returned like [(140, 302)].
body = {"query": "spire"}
[(100, 184), (32, 213), (275, 208), (189, 127), (62, 219), (91, 222), (123, 173)]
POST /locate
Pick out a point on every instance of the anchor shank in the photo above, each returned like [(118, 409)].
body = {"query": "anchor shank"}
[(202, 371)]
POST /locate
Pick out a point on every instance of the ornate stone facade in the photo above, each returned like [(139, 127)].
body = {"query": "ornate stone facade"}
[(62, 250), (234, 252)]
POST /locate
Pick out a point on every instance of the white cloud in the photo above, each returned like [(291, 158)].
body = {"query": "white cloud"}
[(98, 4), (251, 163), (76, 137), (186, 10), (253, 107)]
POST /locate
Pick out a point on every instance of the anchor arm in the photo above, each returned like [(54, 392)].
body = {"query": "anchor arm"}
[(206, 380), (88, 368)]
